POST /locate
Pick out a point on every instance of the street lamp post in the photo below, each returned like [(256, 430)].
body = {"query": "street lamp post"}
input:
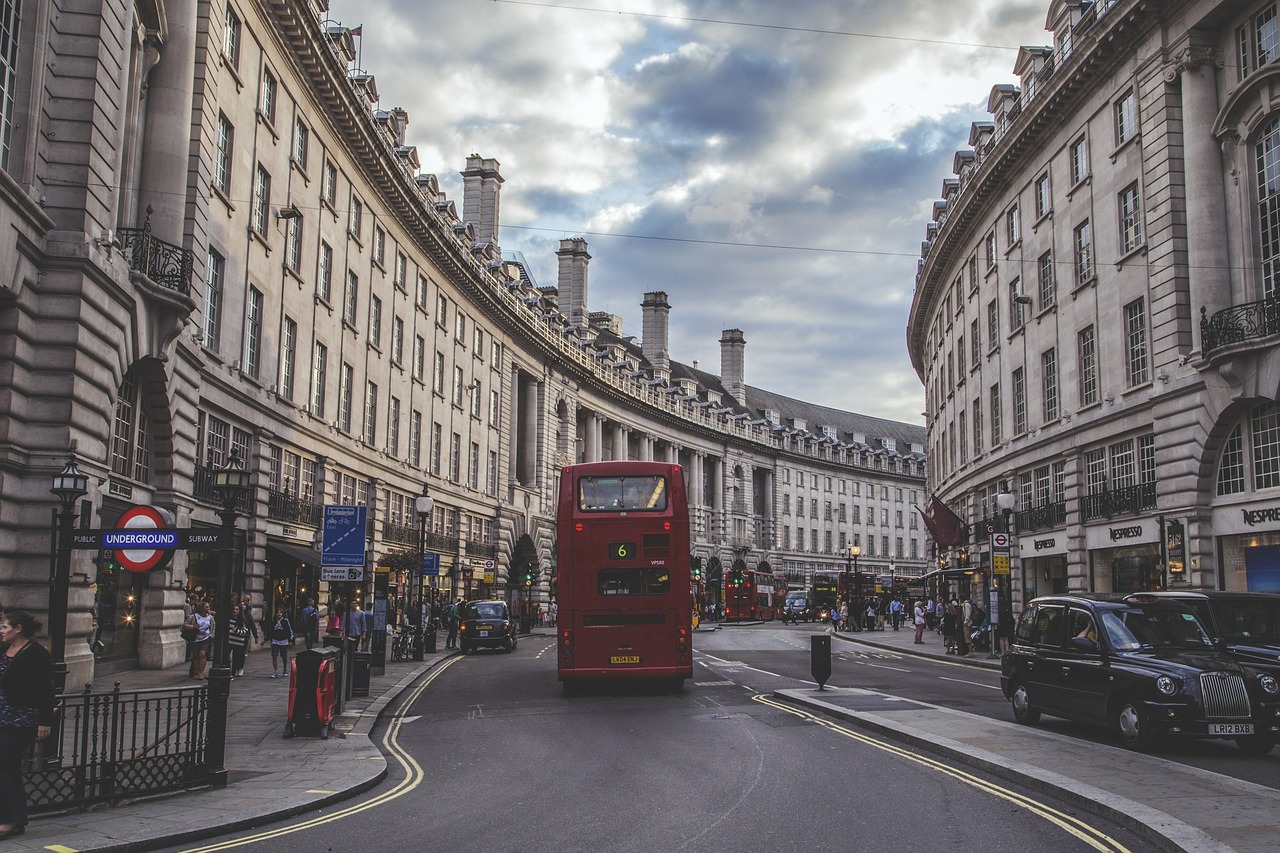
[(423, 504), (1005, 501), (855, 608), (230, 483), (70, 486)]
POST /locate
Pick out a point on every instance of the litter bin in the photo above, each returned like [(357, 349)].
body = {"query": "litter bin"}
[(429, 640), (312, 692), (361, 662)]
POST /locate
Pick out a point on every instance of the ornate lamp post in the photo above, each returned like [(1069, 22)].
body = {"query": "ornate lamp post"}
[(230, 483), (855, 606), (424, 503), (1005, 501), (70, 486)]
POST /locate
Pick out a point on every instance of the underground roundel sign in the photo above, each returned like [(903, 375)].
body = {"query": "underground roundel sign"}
[(142, 540)]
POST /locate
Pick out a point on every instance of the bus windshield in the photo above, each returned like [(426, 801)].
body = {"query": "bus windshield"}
[(623, 494)]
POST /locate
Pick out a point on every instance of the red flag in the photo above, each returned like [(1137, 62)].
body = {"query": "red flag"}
[(948, 529), (357, 31)]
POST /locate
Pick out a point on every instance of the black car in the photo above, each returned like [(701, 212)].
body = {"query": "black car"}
[(1142, 665), (487, 624), (1245, 624)]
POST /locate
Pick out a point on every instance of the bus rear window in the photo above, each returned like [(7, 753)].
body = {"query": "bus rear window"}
[(640, 580), (622, 494)]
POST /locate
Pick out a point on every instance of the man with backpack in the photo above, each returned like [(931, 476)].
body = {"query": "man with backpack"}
[(310, 624)]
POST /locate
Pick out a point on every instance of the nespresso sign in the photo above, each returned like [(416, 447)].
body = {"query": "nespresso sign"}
[(1261, 516), (1046, 544), (1134, 532)]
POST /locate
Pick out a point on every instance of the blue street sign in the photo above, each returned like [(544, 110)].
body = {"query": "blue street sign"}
[(344, 535), (431, 565)]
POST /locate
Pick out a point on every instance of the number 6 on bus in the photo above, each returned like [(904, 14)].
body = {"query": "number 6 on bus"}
[(625, 602)]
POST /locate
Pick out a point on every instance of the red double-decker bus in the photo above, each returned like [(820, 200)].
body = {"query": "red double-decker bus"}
[(625, 604), (753, 595)]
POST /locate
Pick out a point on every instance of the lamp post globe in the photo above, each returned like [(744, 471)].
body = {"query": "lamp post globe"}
[(424, 504)]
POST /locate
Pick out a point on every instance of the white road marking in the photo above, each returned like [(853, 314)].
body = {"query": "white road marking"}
[(973, 683)]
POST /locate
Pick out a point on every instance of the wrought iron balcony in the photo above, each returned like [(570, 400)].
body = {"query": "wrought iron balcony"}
[(1038, 518), (1125, 501), (283, 506), (165, 264), (1239, 323)]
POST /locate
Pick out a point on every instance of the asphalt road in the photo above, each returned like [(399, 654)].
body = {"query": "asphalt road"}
[(941, 682), (488, 754)]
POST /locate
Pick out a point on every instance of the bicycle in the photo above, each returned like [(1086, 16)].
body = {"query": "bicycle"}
[(401, 646)]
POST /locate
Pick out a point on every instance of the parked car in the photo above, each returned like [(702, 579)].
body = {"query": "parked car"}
[(487, 624), (1245, 624), (1141, 664)]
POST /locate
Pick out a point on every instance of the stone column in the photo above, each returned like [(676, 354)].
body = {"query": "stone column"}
[(166, 145)]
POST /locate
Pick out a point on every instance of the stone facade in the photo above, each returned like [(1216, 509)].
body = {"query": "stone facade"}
[(1094, 312)]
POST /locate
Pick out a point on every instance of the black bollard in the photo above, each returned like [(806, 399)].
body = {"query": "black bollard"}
[(820, 658)]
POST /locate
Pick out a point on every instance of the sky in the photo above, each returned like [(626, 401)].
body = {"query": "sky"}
[(771, 166)]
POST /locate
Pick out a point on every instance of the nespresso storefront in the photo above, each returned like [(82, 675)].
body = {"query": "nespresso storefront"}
[(1043, 564), (1125, 556), (1249, 547)]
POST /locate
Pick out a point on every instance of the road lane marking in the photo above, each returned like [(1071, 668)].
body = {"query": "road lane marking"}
[(1073, 826), (973, 683)]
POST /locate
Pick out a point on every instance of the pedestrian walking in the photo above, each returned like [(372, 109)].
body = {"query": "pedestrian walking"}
[(237, 639), (281, 632), (895, 612), (453, 618), (251, 621), (311, 624), (203, 639), (27, 701), (949, 629), (355, 625)]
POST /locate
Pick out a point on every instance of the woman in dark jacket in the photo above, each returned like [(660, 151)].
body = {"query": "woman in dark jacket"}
[(26, 711)]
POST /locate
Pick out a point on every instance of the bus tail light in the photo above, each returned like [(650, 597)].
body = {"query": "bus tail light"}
[(566, 643), (682, 641)]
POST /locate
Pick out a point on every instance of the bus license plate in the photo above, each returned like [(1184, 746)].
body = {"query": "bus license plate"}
[(625, 659), (1231, 728)]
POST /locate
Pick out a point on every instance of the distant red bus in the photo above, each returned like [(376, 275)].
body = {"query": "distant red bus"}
[(625, 604), (752, 595)]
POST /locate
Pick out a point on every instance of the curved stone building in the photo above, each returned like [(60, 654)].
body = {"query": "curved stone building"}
[(1095, 313), (244, 256)]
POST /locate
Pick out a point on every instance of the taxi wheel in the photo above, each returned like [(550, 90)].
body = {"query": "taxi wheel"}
[(1133, 726), (1022, 710), (1256, 744)]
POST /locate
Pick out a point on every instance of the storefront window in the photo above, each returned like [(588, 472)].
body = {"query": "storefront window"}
[(1251, 563), (1133, 569)]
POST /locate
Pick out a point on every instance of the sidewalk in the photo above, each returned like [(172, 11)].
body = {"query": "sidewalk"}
[(1173, 805), (269, 778)]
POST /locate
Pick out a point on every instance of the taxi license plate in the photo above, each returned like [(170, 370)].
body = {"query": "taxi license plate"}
[(484, 633), (625, 659), (1231, 728)]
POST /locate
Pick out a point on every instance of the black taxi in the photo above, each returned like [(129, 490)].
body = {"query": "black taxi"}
[(1143, 665), (1245, 624), (487, 624)]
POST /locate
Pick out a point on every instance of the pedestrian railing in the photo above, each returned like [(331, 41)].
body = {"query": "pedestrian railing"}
[(120, 745)]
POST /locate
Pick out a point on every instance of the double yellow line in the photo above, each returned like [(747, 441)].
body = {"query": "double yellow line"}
[(413, 776), (1095, 838)]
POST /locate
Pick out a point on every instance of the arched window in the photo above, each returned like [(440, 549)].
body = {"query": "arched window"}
[(1268, 162), (131, 438)]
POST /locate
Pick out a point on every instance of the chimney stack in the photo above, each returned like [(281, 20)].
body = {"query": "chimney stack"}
[(481, 185), (733, 364), (572, 280), (654, 333)]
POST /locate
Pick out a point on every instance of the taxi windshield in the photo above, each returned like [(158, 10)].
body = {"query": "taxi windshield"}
[(1255, 621), (1138, 628)]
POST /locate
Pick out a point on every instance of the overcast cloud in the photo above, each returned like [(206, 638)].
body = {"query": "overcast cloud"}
[(792, 150)]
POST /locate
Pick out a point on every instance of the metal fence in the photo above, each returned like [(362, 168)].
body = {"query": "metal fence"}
[(120, 745)]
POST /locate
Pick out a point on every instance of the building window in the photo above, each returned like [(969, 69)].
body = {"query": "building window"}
[(261, 201), (345, 392), (319, 378), (131, 435), (288, 358), (1083, 252), (213, 284), (420, 293), (370, 413), (473, 467), (1268, 164), (493, 472), (224, 141), (375, 321), (329, 186), (1049, 376), (301, 142), (253, 333), (989, 251), (1044, 201), (455, 457), (1019, 401), (1231, 468), (419, 357), (458, 386), (1126, 118), (401, 276), (324, 275), (357, 218), (437, 440), (442, 310), (268, 102), (437, 377), (1130, 219), (1048, 286), (351, 299), (1265, 439), (1135, 327), (996, 436), (1013, 226), (1259, 41), (231, 38), (293, 244), (415, 438), (977, 426), (1079, 160), (1016, 318), (975, 343), (495, 410), (1088, 367), (993, 325), (397, 340)]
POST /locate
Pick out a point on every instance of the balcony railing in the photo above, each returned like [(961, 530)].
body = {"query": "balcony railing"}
[(120, 745), (401, 534), (1124, 501), (164, 263), (1239, 323), (282, 506), (1038, 518)]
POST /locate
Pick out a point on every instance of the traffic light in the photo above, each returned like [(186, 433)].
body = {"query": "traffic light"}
[(696, 565), (528, 576)]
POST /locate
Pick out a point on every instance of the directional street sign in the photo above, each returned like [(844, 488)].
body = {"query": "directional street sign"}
[(343, 543), (1000, 541), (342, 574), (431, 565)]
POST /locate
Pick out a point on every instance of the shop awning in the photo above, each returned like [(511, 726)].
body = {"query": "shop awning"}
[(294, 552), (951, 573)]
